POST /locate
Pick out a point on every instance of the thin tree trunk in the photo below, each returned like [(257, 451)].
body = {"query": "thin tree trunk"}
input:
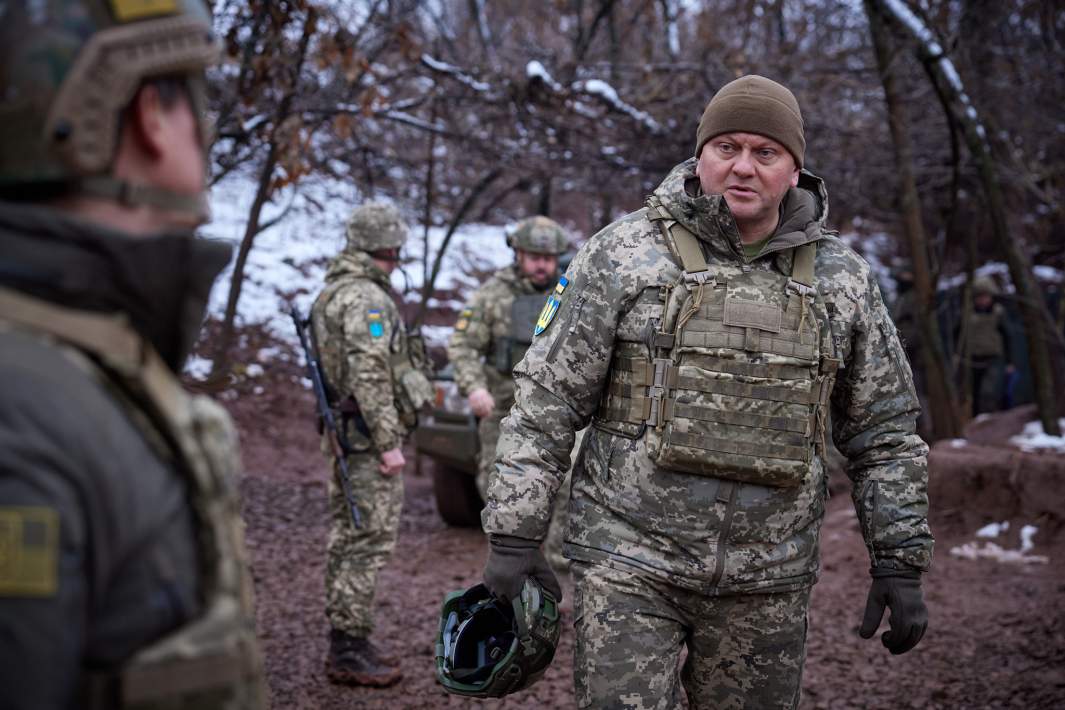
[(428, 287), (1034, 313), (220, 366), (942, 397)]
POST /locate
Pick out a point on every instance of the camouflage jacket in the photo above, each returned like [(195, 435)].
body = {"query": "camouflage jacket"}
[(685, 528), (361, 337), (484, 322)]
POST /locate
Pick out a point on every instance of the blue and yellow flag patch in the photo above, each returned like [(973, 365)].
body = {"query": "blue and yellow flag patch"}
[(29, 551), (373, 320), (464, 319), (551, 307)]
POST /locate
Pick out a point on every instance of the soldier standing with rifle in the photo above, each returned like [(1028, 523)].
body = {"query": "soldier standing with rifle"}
[(374, 371)]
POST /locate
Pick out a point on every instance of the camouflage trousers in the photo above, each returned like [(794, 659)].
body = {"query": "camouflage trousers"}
[(354, 557), (488, 431), (742, 651)]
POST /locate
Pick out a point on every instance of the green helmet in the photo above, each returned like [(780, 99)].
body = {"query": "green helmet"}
[(487, 648), (985, 285), (69, 68), (375, 225), (539, 235)]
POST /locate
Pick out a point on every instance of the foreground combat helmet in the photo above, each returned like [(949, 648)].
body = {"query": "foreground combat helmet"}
[(375, 226), (487, 648), (68, 69), (538, 235)]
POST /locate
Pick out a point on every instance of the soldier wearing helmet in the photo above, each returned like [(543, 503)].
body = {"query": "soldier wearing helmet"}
[(986, 347), (492, 333), (122, 567), (375, 370)]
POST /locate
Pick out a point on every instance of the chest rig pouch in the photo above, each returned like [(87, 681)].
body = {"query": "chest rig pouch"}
[(740, 370), (509, 350)]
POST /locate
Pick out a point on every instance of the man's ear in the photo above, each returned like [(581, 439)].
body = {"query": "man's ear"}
[(795, 178), (146, 120)]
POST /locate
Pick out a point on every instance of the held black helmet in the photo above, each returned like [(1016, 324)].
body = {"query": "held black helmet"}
[(487, 648)]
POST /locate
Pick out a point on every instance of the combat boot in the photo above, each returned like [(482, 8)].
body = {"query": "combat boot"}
[(355, 661)]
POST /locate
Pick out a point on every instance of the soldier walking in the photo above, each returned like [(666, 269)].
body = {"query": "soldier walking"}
[(123, 575), (706, 337), (374, 369), (493, 331)]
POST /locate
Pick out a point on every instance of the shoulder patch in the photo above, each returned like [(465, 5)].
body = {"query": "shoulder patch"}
[(376, 325), (464, 319), (130, 10), (29, 551), (551, 307)]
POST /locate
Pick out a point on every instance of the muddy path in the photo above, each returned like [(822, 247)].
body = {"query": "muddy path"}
[(996, 637)]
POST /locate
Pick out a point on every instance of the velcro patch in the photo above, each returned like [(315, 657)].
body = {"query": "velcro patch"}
[(29, 551), (752, 314), (129, 10)]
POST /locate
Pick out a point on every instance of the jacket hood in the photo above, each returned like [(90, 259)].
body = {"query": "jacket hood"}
[(160, 282), (357, 265), (803, 212)]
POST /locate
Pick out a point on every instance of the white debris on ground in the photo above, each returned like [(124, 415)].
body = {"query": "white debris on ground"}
[(1032, 438), (959, 443), (994, 551)]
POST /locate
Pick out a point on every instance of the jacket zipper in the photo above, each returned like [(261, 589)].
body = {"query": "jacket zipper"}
[(726, 528)]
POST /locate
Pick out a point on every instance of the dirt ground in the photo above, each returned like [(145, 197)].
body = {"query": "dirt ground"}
[(996, 636)]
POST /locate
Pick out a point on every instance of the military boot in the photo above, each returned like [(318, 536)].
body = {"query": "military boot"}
[(355, 661)]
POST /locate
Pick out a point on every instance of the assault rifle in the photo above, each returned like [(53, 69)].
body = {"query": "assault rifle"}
[(325, 412)]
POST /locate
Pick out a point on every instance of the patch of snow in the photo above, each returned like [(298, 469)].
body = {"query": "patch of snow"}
[(198, 367), (991, 551), (958, 443), (254, 370), (993, 529), (536, 70), (606, 92), (1027, 532), (1033, 438)]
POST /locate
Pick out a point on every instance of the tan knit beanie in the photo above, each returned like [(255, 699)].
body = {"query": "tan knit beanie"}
[(754, 104)]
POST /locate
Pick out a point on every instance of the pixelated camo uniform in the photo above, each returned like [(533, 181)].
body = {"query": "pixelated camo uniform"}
[(709, 532), (482, 350), (361, 337)]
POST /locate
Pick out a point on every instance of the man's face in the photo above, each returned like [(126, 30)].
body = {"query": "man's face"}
[(753, 173), (540, 269), (184, 155), (386, 259)]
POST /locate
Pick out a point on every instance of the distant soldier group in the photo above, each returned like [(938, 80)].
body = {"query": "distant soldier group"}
[(707, 342)]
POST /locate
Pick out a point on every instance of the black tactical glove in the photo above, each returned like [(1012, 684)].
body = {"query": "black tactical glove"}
[(899, 591), (510, 561)]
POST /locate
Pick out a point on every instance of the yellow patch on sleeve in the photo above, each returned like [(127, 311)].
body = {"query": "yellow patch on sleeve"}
[(129, 10), (29, 551)]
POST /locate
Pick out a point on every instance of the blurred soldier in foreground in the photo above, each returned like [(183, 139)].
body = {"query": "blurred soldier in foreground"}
[(122, 568), (491, 336), (706, 337), (375, 371), (987, 347)]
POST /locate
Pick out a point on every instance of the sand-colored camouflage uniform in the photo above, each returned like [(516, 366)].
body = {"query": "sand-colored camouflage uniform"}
[(379, 386), (733, 510), (123, 574)]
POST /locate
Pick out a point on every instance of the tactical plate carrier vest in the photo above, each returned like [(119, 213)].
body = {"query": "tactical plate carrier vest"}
[(508, 351), (213, 661), (407, 363), (740, 370)]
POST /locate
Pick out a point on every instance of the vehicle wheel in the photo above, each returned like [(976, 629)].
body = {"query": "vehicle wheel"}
[(457, 499)]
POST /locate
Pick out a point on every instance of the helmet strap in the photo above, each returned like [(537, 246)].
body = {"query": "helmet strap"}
[(133, 195)]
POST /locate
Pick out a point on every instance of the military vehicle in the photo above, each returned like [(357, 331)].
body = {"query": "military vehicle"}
[(448, 436)]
